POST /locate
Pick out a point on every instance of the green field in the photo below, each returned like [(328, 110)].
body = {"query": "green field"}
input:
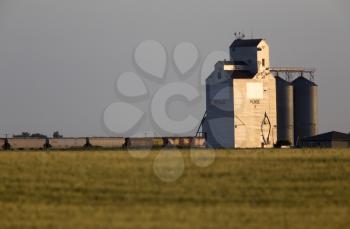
[(241, 189)]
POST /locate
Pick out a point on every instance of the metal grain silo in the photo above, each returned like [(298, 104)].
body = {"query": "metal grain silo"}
[(305, 108), (285, 121)]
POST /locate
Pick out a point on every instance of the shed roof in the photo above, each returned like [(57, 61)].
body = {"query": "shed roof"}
[(329, 136), (282, 81), (234, 62), (302, 80), (242, 74), (246, 43), (239, 62)]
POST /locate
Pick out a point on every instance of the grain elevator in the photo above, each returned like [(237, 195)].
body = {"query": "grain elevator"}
[(251, 105)]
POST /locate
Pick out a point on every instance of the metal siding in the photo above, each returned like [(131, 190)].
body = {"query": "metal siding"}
[(26, 143), (140, 142), (106, 142), (285, 120), (219, 124), (67, 143), (305, 108), (340, 144)]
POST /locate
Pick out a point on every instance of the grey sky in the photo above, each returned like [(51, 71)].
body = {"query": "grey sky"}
[(59, 59)]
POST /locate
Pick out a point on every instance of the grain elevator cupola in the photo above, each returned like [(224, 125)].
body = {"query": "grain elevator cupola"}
[(254, 52)]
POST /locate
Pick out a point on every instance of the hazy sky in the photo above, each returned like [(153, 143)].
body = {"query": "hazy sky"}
[(59, 59)]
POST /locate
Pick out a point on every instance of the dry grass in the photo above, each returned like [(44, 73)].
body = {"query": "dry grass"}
[(242, 189)]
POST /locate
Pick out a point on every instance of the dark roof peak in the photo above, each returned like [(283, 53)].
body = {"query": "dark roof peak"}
[(281, 80), (242, 74), (246, 43), (302, 79), (234, 62), (329, 136)]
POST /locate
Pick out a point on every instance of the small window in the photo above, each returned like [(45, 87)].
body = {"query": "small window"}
[(229, 67), (263, 62)]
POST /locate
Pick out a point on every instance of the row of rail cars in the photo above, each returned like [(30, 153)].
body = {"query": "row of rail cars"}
[(98, 142)]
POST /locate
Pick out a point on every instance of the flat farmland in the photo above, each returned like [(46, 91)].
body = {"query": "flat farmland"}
[(291, 188)]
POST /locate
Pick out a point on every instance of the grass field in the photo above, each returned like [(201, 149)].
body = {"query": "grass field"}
[(241, 189)]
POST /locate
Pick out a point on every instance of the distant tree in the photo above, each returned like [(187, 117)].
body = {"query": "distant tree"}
[(23, 135), (38, 135), (56, 134), (28, 135)]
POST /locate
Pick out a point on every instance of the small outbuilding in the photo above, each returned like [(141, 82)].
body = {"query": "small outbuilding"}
[(331, 139)]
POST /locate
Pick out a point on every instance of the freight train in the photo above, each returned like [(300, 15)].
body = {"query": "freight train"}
[(99, 143)]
